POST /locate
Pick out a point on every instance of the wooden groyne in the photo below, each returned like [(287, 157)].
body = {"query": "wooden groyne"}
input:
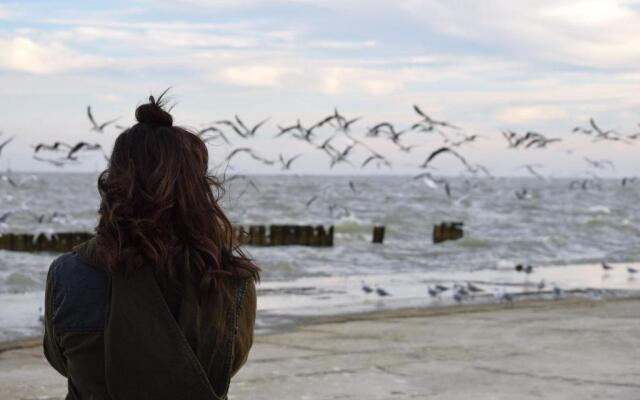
[(285, 235), (252, 235)]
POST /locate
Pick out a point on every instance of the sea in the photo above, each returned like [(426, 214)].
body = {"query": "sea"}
[(563, 231)]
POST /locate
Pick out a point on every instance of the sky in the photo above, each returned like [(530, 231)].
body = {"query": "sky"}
[(486, 66)]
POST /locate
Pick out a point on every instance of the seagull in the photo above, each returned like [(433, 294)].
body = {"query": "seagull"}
[(381, 292), (54, 147), (458, 297), (375, 157), (433, 292), (3, 144), (528, 269), (96, 127), (253, 155), (366, 288), (541, 285), (250, 132), (4, 217), (606, 266), (352, 186), (286, 164), (79, 146), (504, 296), (442, 150), (557, 292), (473, 288), (632, 270), (442, 288)]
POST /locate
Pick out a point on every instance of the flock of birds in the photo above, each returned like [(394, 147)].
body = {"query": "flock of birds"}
[(334, 136), (460, 293)]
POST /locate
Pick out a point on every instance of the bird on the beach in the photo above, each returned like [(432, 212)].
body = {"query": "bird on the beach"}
[(557, 292), (541, 285), (433, 292), (442, 288), (458, 297), (505, 297), (381, 292), (632, 270), (473, 288), (519, 267), (606, 266), (366, 288), (95, 126), (528, 269)]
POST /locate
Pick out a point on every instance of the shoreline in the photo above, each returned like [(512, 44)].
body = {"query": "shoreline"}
[(570, 348), (301, 322)]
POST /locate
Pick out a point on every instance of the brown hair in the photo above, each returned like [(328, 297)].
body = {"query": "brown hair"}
[(158, 207)]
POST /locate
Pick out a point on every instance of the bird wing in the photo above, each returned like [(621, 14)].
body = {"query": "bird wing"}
[(90, 115)]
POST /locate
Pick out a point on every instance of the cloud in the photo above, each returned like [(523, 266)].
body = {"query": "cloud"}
[(526, 114), (599, 34), (257, 75), (346, 45), (26, 55)]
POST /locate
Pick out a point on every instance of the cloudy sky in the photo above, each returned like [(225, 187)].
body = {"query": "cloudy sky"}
[(485, 65)]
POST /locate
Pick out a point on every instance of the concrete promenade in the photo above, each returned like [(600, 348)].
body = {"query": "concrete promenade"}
[(570, 349)]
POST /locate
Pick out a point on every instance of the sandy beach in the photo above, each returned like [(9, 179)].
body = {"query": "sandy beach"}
[(568, 349)]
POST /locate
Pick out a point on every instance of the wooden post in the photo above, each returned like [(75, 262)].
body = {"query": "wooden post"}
[(306, 233), (275, 235), (378, 234), (447, 231)]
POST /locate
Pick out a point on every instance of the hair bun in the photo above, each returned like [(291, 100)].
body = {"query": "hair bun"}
[(152, 113)]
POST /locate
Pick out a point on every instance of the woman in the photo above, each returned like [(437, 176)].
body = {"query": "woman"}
[(161, 303)]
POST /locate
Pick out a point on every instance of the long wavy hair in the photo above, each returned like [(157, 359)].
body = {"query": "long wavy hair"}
[(158, 206)]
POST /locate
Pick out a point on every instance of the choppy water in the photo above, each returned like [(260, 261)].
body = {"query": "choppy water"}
[(553, 226)]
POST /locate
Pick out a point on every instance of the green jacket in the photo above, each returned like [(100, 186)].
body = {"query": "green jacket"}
[(134, 337)]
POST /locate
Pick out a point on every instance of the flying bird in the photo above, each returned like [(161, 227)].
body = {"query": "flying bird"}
[(95, 126)]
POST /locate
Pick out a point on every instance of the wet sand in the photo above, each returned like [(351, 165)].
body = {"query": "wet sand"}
[(567, 349)]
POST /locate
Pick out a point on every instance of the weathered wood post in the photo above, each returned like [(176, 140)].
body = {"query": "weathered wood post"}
[(378, 234), (275, 235), (328, 242), (447, 231), (306, 233)]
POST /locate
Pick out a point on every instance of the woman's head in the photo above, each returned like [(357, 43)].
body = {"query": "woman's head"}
[(158, 205)]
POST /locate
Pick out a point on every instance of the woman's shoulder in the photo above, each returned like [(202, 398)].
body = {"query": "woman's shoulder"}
[(78, 292)]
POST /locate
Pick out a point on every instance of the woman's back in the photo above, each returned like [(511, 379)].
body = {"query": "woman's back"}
[(122, 322)]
